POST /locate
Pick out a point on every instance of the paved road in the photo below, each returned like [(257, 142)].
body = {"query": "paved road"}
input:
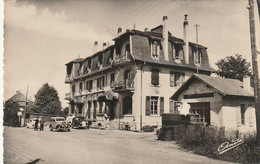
[(92, 146)]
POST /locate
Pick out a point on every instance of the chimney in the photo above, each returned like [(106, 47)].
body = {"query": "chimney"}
[(95, 49), (165, 38), (104, 46), (246, 83), (186, 47), (119, 31), (146, 29)]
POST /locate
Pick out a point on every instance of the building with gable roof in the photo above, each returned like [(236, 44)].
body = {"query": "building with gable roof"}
[(219, 102), (132, 81)]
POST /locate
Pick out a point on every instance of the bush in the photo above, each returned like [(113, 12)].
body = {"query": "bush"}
[(206, 141), (148, 128)]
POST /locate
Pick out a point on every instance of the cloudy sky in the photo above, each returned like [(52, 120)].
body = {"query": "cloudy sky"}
[(40, 36)]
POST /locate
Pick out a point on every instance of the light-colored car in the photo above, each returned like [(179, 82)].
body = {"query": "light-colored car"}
[(31, 123), (59, 124)]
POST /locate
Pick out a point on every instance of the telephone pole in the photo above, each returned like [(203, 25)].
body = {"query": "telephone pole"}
[(255, 70)]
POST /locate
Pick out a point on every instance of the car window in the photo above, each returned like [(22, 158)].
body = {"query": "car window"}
[(60, 119)]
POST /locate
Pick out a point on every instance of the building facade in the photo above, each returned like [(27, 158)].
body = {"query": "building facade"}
[(219, 102), (132, 81)]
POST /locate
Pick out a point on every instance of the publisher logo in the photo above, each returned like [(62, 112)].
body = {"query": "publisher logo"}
[(224, 147)]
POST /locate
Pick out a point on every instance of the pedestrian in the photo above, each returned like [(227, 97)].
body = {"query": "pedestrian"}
[(36, 124), (41, 124)]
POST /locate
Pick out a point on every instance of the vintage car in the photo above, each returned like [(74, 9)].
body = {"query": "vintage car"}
[(31, 123), (78, 122), (59, 124)]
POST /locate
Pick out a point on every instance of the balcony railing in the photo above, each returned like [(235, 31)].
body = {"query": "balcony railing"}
[(123, 58), (68, 96), (127, 84), (69, 78)]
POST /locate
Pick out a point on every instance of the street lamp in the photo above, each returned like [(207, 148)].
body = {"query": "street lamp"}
[(19, 114)]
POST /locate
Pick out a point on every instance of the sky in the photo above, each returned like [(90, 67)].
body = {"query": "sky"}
[(41, 36)]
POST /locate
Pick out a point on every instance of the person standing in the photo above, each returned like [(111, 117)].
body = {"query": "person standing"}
[(36, 124), (41, 124)]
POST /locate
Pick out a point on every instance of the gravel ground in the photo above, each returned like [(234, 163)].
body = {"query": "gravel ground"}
[(92, 146)]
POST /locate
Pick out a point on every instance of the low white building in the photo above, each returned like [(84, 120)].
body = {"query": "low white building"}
[(219, 102)]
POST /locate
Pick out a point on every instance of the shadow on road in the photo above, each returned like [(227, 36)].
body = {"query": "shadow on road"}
[(33, 162)]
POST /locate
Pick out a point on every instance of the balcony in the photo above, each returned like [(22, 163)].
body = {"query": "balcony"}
[(69, 79), (68, 96), (122, 59), (124, 85)]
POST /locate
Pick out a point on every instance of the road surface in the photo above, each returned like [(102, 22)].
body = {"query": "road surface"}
[(93, 146)]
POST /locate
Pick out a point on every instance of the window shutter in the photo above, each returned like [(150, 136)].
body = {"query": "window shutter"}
[(171, 80), (182, 78), (156, 77), (153, 78), (238, 115), (148, 106), (161, 105), (171, 106), (251, 116)]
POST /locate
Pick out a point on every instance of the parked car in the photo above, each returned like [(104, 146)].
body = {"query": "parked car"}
[(78, 122), (59, 124), (31, 123)]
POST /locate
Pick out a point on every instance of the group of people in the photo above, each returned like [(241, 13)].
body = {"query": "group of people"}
[(37, 121)]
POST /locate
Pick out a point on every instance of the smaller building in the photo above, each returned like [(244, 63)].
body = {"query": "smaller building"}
[(18, 98), (219, 102)]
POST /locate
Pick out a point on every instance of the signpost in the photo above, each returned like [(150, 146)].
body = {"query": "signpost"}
[(19, 114)]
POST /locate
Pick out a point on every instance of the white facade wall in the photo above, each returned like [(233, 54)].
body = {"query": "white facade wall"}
[(232, 119)]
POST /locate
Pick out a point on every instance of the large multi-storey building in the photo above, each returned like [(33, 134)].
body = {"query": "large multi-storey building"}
[(132, 81)]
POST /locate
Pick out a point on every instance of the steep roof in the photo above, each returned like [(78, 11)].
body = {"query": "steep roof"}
[(18, 97), (226, 87)]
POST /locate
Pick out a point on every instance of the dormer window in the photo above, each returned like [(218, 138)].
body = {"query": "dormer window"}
[(100, 61), (197, 56), (177, 52), (89, 65), (155, 49), (127, 49)]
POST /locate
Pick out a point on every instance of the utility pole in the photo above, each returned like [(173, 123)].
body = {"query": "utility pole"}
[(255, 70), (25, 104), (197, 42)]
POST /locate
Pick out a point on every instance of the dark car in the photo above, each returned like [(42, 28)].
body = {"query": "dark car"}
[(78, 122)]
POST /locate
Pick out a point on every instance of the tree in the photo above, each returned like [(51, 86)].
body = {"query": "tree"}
[(234, 67), (10, 114), (47, 100)]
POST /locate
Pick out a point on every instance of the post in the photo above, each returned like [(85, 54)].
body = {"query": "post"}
[(255, 70), (25, 105), (197, 42)]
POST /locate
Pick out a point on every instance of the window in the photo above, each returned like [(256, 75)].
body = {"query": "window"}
[(155, 49), (127, 49), (197, 56), (89, 85), (202, 110), (154, 105), (177, 52), (80, 87), (112, 79), (101, 83), (73, 90), (155, 77), (243, 111), (176, 79), (100, 60)]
